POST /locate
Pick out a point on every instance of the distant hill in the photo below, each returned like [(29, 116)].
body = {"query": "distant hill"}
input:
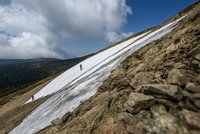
[(19, 73), (18, 61)]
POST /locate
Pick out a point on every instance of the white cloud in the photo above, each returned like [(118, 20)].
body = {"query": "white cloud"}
[(47, 22), (16, 19), (25, 46), (114, 37)]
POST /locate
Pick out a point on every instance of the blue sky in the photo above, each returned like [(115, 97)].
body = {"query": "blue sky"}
[(145, 14), (35, 29), (149, 13)]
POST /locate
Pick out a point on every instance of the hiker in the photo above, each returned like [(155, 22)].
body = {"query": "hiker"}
[(32, 97), (81, 67)]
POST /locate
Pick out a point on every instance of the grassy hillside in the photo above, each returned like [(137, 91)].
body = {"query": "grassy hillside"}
[(16, 74)]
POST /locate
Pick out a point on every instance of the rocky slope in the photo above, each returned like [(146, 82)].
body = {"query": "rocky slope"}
[(155, 90)]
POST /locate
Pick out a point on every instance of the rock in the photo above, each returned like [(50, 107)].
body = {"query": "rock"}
[(134, 122), (144, 114), (126, 117), (66, 117), (168, 64), (187, 104), (195, 96), (177, 77), (165, 124), (158, 78), (132, 71), (137, 102), (195, 62), (158, 110), (191, 118), (122, 83), (103, 99), (186, 93), (192, 87), (171, 48), (161, 90), (111, 126), (55, 130), (131, 129), (142, 78), (179, 65), (57, 122), (197, 57), (196, 103)]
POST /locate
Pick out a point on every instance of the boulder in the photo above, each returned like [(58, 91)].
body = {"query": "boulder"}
[(137, 102), (192, 87), (177, 77), (164, 124), (135, 122), (158, 110), (191, 118), (161, 90), (142, 78), (197, 57)]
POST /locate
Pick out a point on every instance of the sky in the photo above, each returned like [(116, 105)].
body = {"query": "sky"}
[(72, 28)]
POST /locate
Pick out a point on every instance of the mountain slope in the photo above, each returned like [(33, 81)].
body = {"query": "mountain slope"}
[(155, 90), (73, 87)]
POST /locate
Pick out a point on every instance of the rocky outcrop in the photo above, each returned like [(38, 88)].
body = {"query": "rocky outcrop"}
[(155, 90), (177, 77), (162, 90), (137, 102)]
